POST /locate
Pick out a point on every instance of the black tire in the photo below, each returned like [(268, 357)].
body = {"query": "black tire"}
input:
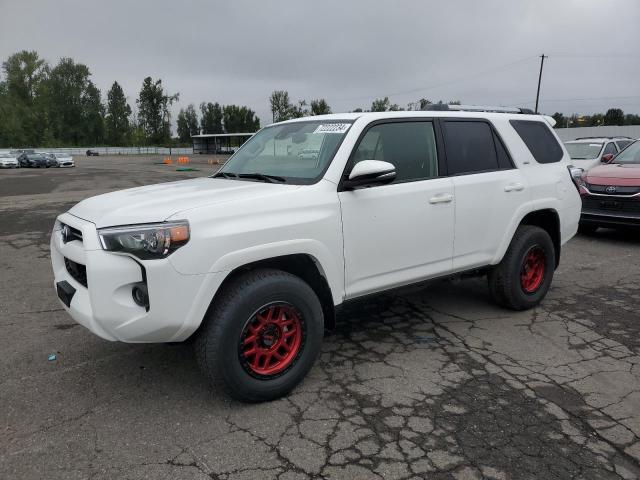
[(587, 228), (218, 343), (506, 284)]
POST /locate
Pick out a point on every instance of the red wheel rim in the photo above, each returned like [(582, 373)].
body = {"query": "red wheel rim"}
[(533, 269), (271, 339)]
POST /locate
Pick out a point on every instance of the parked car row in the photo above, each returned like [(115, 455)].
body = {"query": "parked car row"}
[(608, 181), (28, 158)]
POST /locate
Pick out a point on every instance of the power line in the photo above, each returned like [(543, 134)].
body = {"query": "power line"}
[(580, 99), (612, 56), (442, 84)]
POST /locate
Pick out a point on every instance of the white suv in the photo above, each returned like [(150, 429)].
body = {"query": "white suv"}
[(253, 261)]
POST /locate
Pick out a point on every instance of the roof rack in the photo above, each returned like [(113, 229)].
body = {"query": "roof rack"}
[(476, 108), (604, 136)]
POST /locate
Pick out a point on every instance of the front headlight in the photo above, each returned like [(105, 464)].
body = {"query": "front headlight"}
[(147, 242)]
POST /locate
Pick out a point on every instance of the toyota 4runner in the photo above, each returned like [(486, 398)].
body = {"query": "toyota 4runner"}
[(253, 261)]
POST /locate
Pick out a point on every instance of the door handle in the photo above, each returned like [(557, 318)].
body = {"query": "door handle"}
[(441, 198), (514, 187)]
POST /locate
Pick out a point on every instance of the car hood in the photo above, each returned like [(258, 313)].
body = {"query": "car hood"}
[(156, 203), (614, 174)]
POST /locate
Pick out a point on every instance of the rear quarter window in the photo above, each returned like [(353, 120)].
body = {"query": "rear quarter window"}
[(539, 140)]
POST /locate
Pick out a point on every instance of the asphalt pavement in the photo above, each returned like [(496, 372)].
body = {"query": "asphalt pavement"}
[(432, 383)]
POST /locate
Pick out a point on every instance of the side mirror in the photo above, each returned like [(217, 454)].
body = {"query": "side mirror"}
[(607, 158), (368, 173)]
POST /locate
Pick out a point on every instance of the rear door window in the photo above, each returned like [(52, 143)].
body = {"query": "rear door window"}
[(539, 140), (470, 147)]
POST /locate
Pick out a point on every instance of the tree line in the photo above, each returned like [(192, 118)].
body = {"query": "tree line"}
[(283, 109), (613, 116), (44, 105), (215, 118)]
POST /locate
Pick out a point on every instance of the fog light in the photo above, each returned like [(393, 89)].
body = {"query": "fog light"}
[(140, 295)]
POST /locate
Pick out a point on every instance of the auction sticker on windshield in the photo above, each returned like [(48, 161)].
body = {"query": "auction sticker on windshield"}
[(332, 128)]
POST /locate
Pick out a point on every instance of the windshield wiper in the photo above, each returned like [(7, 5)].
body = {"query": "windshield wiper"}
[(264, 177), (225, 175)]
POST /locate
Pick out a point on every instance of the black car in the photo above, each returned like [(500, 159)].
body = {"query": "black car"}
[(52, 161), (92, 153), (35, 160)]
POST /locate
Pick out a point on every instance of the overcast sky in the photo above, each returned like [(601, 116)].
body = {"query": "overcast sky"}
[(347, 51)]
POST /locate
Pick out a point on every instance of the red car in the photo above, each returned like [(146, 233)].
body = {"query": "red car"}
[(611, 192)]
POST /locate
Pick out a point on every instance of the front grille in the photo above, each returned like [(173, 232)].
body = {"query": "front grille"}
[(77, 271), (611, 205), (614, 189), (69, 234)]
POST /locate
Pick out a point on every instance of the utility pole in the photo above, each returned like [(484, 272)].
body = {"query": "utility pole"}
[(542, 57)]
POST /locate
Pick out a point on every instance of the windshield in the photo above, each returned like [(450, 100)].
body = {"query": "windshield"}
[(297, 152), (583, 151), (631, 154)]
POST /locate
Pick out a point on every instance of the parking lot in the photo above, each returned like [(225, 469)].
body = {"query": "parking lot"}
[(433, 383)]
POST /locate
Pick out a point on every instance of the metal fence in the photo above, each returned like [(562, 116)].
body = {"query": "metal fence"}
[(566, 134), (119, 150)]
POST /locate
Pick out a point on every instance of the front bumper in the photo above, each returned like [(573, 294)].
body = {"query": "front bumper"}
[(611, 210), (177, 302), (609, 219)]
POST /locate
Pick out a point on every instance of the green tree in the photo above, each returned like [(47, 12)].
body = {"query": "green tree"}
[(298, 111), (380, 105), (561, 120), (281, 107), (631, 119), (595, 120), (75, 110), (211, 118), (320, 107), (182, 126), (239, 119), (614, 116), (187, 123), (24, 72), (118, 127), (153, 111), (93, 115), (22, 107)]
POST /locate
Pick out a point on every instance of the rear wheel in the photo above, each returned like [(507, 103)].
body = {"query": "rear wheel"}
[(523, 277), (261, 336)]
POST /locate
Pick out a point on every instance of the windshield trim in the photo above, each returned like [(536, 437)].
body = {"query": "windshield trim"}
[(293, 180)]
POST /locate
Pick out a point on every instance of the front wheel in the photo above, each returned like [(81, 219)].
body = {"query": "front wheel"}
[(261, 336), (523, 277)]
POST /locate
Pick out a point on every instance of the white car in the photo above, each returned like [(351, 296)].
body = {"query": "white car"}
[(9, 160), (587, 152), (64, 160), (254, 261)]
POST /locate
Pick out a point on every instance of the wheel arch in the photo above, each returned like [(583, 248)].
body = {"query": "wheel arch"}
[(549, 220), (302, 265)]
